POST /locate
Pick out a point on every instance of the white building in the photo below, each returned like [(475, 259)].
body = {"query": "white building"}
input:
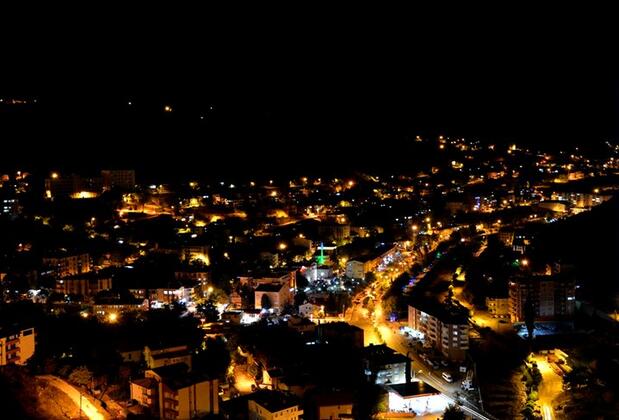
[(355, 269), (309, 309), (319, 272), (271, 405), (416, 397)]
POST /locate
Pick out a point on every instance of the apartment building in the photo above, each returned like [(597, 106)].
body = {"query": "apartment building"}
[(445, 326), (172, 392), (272, 405), (64, 263), (552, 296)]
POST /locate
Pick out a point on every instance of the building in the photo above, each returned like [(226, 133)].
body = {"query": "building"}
[(121, 179), (341, 332), (172, 392), (356, 269), (197, 275), (498, 306), (9, 206), (336, 229), (161, 355), (64, 263), (273, 405), (166, 295), (195, 252), (552, 296), (383, 365), (319, 272), (334, 405), (111, 303), (16, 345), (416, 397), (379, 257), (522, 242), (309, 310), (506, 236), (86, 285), (74, 186), (445, 326), (276, 294)]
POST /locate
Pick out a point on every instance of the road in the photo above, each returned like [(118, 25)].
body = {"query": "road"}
[(388, 333), (550, 387), (80, 400)]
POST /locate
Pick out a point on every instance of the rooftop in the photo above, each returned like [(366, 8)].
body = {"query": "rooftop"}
[(414, 389), (274, 401), (447, 312), (177, 376), (270, 287)]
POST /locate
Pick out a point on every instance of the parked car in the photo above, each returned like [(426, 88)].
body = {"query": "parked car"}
[(447, 377)]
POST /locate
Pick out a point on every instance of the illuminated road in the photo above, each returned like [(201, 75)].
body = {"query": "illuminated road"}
[(88, 408), (243, 381), (373, 322), (550, 387)]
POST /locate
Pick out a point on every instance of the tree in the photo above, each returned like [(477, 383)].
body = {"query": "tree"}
[(265, 302), (370, 277), (301, 281), (453, 412), (209, 310), (370, 400), (81, 376), (214, 359), (577, 377), (299, 298)]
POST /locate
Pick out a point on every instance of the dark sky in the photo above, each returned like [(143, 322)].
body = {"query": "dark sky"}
[(294, 99)]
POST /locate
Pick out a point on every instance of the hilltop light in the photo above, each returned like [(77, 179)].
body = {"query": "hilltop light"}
[(167, 108)]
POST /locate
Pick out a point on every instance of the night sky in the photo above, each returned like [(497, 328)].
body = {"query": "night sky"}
[(300, 101)]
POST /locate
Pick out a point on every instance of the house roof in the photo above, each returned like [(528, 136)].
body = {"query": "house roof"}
[(177, 376), (274, 401), (271, 287), (149, 383), (413, 389)]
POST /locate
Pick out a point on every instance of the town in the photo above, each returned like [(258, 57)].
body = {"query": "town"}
[(477, 286)]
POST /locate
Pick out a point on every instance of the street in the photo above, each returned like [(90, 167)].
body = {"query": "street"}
[(79, 399), (550, 387)]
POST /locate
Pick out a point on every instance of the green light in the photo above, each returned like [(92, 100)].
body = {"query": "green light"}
[(321, 258)]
